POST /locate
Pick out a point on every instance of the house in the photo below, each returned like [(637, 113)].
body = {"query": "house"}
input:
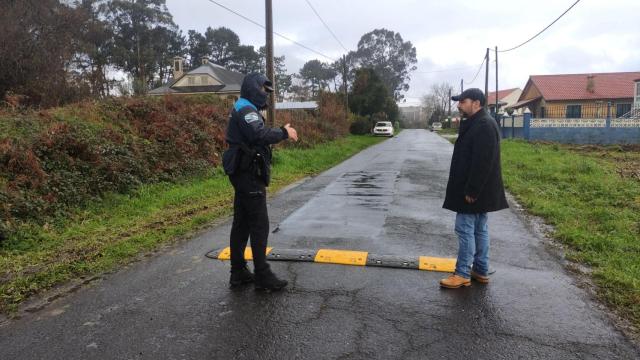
[(506, 98), (581, 95), (208, 78)]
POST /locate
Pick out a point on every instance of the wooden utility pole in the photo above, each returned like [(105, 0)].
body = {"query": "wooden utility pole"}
[(346, 88), (449, 101), (496, 83), (486, 79), (271, 111), (461, 85)]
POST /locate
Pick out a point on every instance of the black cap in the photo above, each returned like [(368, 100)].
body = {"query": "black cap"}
[(472, 94), (268, 85)]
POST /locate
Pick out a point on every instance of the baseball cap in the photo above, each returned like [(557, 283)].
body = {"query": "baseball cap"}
[(472, 94), (268, 85)]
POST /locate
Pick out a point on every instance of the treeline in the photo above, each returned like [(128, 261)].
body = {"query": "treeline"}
[(56, 52)]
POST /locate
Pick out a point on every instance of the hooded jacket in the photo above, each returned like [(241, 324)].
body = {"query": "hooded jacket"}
[(247, 126), (475, 167)]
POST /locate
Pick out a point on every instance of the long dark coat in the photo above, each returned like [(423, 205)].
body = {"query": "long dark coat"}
[(475, 167)]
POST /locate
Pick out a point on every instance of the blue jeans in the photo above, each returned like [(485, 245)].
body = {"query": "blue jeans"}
[(473, 244)]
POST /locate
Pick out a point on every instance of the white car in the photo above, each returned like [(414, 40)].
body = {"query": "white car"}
[(436, 126), (383, 128)]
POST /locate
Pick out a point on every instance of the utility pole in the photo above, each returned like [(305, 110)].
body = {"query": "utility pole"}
[(461, 85), (496, 83), (449, 101), (346, 88), (486, 78), (271, 112)]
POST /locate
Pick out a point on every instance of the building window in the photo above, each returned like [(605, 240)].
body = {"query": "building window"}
[(542, 112), (574, 111), (176, 65), (192, 80), (622, 109)]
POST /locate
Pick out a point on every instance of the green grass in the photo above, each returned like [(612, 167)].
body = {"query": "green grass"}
[(117, 229), (594, 208)]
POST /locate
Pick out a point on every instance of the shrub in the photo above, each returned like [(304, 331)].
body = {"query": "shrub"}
[(360, 125)]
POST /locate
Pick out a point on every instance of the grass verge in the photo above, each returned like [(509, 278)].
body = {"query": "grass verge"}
[(113, 231), (591, 196)]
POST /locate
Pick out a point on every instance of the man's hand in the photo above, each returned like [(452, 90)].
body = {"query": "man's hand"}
[(293, 134), (469, 200)]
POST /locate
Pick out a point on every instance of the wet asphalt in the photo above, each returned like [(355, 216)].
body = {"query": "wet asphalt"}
[(385, 200)]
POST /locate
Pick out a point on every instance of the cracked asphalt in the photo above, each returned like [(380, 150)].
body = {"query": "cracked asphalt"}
[(385, 200)]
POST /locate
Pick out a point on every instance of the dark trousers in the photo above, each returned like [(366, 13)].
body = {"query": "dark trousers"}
[(250, 220)]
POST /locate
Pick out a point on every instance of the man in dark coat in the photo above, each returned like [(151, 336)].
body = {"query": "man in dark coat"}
[(247, 161), (475, 188)]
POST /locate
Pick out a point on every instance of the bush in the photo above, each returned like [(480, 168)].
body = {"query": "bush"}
[(54, 160), (360, 125)]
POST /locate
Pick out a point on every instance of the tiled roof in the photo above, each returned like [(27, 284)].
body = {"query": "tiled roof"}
[(576, 86), (231, 81), (491, 99)]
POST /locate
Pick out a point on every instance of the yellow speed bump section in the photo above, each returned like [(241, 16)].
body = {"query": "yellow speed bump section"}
[(345, 257), (437, 264), (248, 255)]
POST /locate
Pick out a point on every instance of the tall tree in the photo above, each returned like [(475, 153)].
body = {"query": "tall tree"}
[(136, 24), (316, 75), (39, 43), (436, 102), (390, 57), (197, 47), (245, 60), (95, 46), (370, 95), (222, 43)]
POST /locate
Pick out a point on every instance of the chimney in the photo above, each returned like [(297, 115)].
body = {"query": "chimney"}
[(178, 67), (205, 61), (591, 84)]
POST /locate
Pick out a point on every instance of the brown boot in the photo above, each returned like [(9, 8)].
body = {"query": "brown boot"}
[(483, 279), (455, 281)]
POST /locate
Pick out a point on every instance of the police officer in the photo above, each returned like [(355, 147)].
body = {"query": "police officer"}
[(247, 162)]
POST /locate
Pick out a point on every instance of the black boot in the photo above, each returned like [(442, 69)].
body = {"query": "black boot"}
[(266, 280), (240, 276)]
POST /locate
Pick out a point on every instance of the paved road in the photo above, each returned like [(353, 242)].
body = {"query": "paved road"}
[(386, 200)]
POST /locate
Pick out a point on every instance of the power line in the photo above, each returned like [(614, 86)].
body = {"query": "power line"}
[(443, 70), (326, 26), (477, 73), (543, 30), (279, 35)]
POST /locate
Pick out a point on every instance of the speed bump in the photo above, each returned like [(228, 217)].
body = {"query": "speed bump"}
[(225, 254), (437, 264), (347, 257), (344, 257)]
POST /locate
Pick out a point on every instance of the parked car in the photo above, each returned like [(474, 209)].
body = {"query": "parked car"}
[(436, 126), (383, 128)]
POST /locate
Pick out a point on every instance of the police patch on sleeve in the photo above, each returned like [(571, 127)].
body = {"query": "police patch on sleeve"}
[(251, 117)]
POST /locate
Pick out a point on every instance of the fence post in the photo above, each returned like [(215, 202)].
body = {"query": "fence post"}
[(608, 115), (526, 125), (513, 127)]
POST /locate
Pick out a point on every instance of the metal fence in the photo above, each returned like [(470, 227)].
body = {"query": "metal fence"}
[(598, 110)]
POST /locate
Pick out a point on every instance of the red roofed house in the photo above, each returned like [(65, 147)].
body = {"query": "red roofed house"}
[(506, 98), (580, 95)]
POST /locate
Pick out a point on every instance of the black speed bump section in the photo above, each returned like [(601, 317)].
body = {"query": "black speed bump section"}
[(348, 257)]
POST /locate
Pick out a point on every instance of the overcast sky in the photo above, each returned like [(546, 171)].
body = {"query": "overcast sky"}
[(595, 36)]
